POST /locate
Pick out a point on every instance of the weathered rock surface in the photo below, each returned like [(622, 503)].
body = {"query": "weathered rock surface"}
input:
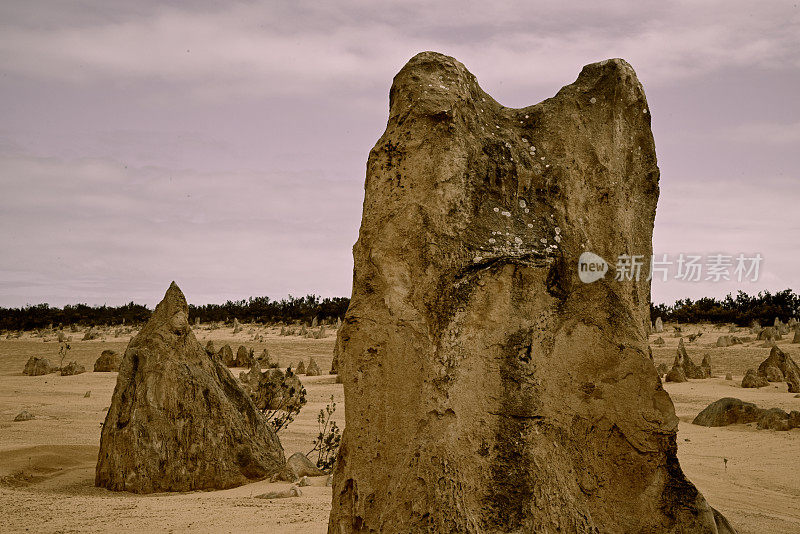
[(38, 366), (658, 325), (728, 411), (301, 368), (773, 374), (72, 368), (108, 362), (752, 380), (487, 388), (178, 419), (783, 362)]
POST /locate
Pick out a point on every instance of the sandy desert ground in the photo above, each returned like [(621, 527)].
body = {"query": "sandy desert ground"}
[(47, 464)]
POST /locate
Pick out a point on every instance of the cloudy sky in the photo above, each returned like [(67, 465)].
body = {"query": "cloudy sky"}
[(223, 145)]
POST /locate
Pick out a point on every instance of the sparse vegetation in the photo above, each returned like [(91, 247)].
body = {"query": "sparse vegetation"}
[(326, 444), (280, 396), (63, 350)]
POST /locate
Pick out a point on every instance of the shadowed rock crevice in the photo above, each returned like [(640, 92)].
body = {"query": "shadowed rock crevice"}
[(487, 388)]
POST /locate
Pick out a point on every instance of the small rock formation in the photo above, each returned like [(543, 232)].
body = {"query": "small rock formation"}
[(728, 411), (752, 380), (314, 322), (264, 359), (337, 348), (300, 466), (244, 358), (236, 326), (675, 374), (705, 365), (292, 491), (313, 368), (662, 369), (728, 376), (690, 370), (87, 394), (724, 341), (796, 338), (488, 388), (24, 415), (90, 334), (38, 366), (210, 347), (72, 368), (225, 356), (774, 419), (178, 420), (108, 362), (786, 365), (301, 368), (659, 341), (659, 325), (769, 334)]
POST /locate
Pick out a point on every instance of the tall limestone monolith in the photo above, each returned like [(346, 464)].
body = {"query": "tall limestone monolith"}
[(178, 419), (489, 389)]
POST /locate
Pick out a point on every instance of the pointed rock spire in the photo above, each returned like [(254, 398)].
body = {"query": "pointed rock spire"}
[(178, 419)]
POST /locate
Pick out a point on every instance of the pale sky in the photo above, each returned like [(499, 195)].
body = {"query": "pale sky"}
[(223, 145)]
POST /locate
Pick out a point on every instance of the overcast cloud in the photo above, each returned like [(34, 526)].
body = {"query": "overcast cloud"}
[(224, 145)]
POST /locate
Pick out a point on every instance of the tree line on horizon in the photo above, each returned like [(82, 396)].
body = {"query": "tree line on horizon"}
[(742, 310), (253, 310)]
